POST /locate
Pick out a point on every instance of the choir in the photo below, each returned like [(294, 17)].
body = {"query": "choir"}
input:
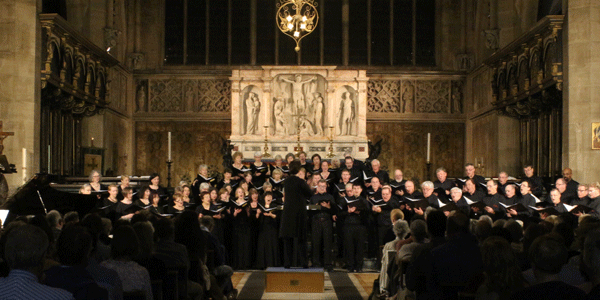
[(349, 208)]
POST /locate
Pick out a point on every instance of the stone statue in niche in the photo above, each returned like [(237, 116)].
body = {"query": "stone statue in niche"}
[(346, 114), (141, 98), (317, 115), (298, 105), (252, 110), (190, 98)]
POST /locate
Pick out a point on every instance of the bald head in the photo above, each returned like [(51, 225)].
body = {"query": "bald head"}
[(567, 174)]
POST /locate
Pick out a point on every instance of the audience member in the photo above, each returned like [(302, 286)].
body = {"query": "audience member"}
[(401, 230), (502, 273), (56, 222), (548, 254), (456, 261), (71, 217), (420, 268), (124, 248), (73, 248), (418, 231), (591, 262), (24, 252)]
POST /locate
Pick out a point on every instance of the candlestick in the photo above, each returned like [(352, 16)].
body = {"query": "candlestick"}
[(49, 156), (170, 158), (266, 148), (24, 169), (428, 145), (169, 163)]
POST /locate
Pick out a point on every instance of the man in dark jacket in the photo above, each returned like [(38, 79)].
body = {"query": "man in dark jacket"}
[(293, 219)]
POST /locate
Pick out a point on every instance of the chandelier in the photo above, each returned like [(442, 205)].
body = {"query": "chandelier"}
[(297, 18)]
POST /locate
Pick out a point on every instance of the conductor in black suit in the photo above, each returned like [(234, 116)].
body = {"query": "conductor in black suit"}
[(293, 220)]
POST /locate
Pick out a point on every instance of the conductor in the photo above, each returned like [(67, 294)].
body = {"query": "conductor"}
[(293, 220)]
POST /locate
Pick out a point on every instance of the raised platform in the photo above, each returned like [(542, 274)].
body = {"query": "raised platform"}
[(281, 280)]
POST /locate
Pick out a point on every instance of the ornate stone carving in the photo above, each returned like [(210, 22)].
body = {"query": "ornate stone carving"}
[(135, 60), (298, 98), (433, 96), (492, 38), (464, 61), (301, 108), (74, 71), (384, 96), (457, 96), (528, 66), (141, 96), (415, 96), (110, 36), (188, 95)]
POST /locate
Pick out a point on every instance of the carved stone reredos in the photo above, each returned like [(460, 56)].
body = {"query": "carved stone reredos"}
[(315, 104)]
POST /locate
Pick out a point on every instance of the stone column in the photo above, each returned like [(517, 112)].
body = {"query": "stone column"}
[(581, 105), (20, 56)]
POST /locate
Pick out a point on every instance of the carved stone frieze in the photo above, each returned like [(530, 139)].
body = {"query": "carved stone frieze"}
[(415, 96), (433, 97), (183, 95)]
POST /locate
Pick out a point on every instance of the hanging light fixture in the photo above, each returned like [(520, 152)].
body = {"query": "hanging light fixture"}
[(297, 18)]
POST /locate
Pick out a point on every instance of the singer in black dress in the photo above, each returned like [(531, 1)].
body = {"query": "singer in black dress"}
[(267, 254), (241, 231)]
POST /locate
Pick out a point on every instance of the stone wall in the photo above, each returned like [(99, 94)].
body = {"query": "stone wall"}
[(582, 89), (20, 39)]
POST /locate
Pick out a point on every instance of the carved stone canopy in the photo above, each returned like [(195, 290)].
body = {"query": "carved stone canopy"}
[(75, 72), (527, 74)]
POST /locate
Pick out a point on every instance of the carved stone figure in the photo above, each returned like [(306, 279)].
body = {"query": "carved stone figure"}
[(306, 127), (141, 99), (297, 92), (318, 113), (278, 112), (346, 115), (252, 110)]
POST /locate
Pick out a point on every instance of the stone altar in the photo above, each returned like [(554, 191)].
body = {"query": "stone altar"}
[(313, 103)]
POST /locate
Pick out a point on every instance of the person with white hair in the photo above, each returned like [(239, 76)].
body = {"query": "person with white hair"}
[(401, 230), (202, 177), (260, 170), (376, 171)]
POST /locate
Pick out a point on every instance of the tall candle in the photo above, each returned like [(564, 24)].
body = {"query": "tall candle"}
[(428, 145), (49, 156), (170, 146), (24, 165)]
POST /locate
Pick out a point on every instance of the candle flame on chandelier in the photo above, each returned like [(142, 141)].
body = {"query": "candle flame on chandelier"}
[(297, 18)]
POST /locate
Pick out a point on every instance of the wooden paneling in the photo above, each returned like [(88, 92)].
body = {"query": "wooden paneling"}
[(404, 146), (193, 144)]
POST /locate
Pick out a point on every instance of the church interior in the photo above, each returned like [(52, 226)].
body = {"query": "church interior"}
[(163, 86)]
